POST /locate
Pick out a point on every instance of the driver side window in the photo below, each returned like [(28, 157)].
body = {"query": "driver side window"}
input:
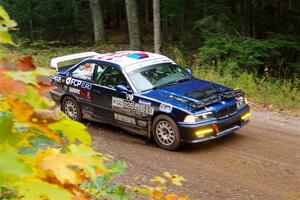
[(111, 77)]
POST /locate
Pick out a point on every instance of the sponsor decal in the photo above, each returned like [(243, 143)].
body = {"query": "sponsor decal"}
[(128, 104), (142, 123), (143, 110), (130, 107), (143, 132), (85, 85), (144, 102), (86, 67), (56, 78), (88, 95), (68, 80), (117, 102), (77, 83), (85, 94), (124, 118), (74, 82), (74, 90), (129, 97), (165, 108)]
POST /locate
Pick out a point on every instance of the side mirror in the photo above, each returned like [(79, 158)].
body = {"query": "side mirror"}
[(190, 71), (123, 88)]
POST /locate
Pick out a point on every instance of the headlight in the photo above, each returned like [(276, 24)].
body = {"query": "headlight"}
[(198, 117), (241, 101)]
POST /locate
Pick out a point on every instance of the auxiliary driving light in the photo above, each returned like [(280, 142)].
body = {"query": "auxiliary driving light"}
[(245, 116), (204, 132)]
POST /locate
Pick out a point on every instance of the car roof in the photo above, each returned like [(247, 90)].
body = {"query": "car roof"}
[(131, 60)]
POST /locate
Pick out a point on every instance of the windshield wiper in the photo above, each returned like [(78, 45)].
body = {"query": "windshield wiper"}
[(185, 79)]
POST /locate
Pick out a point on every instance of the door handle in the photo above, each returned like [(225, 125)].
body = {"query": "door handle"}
[(97, 92)]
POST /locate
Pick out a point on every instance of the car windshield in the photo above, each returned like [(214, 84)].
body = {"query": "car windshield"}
[(159, 75)]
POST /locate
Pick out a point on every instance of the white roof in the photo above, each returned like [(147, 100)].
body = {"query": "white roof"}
[(127, 60), (131, 60)]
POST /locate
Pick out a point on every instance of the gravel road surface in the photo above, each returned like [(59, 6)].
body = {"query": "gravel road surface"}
[(260, 161)]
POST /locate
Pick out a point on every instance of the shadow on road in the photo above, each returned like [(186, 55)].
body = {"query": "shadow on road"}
[(213, 144)]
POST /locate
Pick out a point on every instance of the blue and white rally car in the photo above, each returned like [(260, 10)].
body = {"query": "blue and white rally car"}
[(147, 94)]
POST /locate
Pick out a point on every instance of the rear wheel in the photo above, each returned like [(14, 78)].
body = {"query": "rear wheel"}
[(166, 133), (71, 108)]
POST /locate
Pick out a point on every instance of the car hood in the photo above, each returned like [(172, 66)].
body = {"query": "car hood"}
[(192, 95)]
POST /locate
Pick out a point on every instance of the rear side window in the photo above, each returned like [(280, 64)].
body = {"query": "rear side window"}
[(85, 71)]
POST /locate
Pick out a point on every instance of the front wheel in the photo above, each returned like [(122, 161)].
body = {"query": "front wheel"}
[(71, 108), (166, 133)]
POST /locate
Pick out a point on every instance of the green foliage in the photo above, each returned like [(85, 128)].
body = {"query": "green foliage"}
[(239, 54), (29, 77), (280, 94), (41, 190), (33, 98), (68, 128), (6, 24)]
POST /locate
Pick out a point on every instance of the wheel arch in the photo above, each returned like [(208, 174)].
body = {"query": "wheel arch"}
[(156, 114), (66, 95)]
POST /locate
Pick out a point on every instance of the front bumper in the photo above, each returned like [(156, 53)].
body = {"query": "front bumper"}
[(222, 127)]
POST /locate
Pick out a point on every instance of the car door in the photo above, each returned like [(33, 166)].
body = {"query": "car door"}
[(111, 105)]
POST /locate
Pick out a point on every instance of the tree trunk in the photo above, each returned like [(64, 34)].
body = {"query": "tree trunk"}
[(253, 20), (147, 18), (133, 25), (96, 11), (156, 25), (30, 21)]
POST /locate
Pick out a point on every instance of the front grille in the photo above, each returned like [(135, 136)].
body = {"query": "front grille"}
[(226, 111), (229, 124)]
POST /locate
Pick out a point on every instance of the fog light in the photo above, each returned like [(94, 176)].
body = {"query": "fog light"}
[(245, 116), (204, 132)]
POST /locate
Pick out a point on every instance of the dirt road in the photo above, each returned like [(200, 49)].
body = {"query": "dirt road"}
[(261, 161)]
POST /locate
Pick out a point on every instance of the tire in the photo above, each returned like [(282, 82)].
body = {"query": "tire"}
[(71, 108), (166, 133)]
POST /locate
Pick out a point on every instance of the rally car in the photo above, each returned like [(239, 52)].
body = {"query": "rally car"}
[(147, 94)]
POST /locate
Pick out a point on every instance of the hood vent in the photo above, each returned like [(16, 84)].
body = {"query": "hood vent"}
[(207, 96)]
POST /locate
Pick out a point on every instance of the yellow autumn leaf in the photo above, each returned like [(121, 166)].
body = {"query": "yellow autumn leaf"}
[(36, 189), (24, 143), (167, 174), (3, 105), (159, 180), (156, 194), (171, 197), (95, 165), (53, 163), (22, 111), (72, 130), (144, 191), (176, 179)]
